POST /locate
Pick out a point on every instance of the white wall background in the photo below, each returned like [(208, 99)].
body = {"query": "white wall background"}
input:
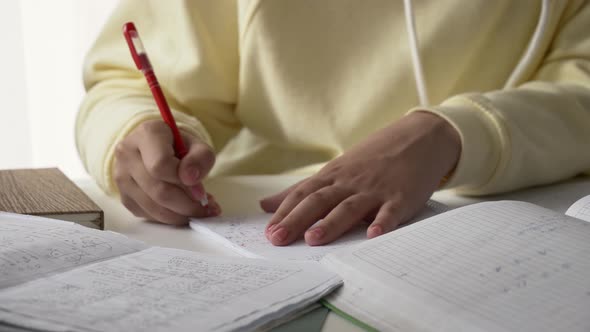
[(15, 140), (43, 47)]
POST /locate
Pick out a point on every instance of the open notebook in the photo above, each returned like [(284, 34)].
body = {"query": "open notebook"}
[(60, 276), (496, 266), (245, 235)]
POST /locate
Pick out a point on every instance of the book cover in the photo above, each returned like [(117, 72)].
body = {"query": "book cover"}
[(49, 193)]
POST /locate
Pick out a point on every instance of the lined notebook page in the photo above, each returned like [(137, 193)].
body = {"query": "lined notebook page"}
[(160, 289), (245, 235), (33, 247), (506, 266), (580, 209)]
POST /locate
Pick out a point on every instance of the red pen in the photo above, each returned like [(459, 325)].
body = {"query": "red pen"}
[(142, 62)]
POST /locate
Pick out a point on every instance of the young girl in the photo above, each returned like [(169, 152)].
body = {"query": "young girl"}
[(380, 103)]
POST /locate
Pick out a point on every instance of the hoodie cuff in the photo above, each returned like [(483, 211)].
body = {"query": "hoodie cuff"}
[(482, 143), (112, 122), (185, 123)]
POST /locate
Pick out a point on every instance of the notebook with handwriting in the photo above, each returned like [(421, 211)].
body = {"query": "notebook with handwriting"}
[(59, 276), (245, 235), (498, 266)]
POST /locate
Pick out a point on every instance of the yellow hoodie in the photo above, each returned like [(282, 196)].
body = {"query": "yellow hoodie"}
[(277, 85)]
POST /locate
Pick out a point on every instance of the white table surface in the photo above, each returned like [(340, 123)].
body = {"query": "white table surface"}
[(240, 194)]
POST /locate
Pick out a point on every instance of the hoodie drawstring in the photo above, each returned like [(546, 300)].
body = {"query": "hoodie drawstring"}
[(516, 74), (532, 48), (415, 51)]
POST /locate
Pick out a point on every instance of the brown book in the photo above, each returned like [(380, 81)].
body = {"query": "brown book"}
[(49, 193)]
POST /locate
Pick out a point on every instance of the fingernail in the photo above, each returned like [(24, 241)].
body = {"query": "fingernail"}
[(315, 234), (280, 234), (198, 192), (204, 201), (374, 231), (270, 228), (192, 174)]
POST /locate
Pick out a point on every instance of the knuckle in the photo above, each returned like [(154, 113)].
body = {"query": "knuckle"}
[(319, 181), (298, 194), (151, 127), (344, 189), (119, 176), (318, 196), (158, 167), (349, 205), (161, 192), (121, 150), (331, 169)]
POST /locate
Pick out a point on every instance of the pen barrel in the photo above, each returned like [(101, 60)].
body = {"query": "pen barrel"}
[(179, 147), (151, 79)]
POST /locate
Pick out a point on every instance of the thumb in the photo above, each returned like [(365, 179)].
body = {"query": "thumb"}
[(197, 163)]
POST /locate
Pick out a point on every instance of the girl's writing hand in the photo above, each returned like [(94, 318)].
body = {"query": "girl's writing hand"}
[(156, 185)]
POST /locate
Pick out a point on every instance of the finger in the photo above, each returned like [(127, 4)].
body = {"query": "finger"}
[(155, 211), (133, 207), (294, 197), (124, 182), (272, 203), (342, 218), (155, 143), (197, 163), (390, 215), (213, 209), (166, 194), (311, 209), (198, 192)]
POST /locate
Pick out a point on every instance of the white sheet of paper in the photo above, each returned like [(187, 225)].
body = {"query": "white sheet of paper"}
[(580, 209), (160, 289), (245, 235), (503, 266), (33, 247)]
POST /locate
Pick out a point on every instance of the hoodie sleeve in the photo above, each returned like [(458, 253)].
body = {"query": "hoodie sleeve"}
[(193, 47), (534, 134)]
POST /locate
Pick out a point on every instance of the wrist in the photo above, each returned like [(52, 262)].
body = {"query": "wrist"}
[(445, 139)]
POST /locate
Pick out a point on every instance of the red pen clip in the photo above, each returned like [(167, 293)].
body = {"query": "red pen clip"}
[(142, 62), (138, 52)]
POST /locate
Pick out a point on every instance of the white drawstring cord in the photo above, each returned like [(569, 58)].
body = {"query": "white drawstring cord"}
[(531, 50), (516, 74), (416, 61)]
